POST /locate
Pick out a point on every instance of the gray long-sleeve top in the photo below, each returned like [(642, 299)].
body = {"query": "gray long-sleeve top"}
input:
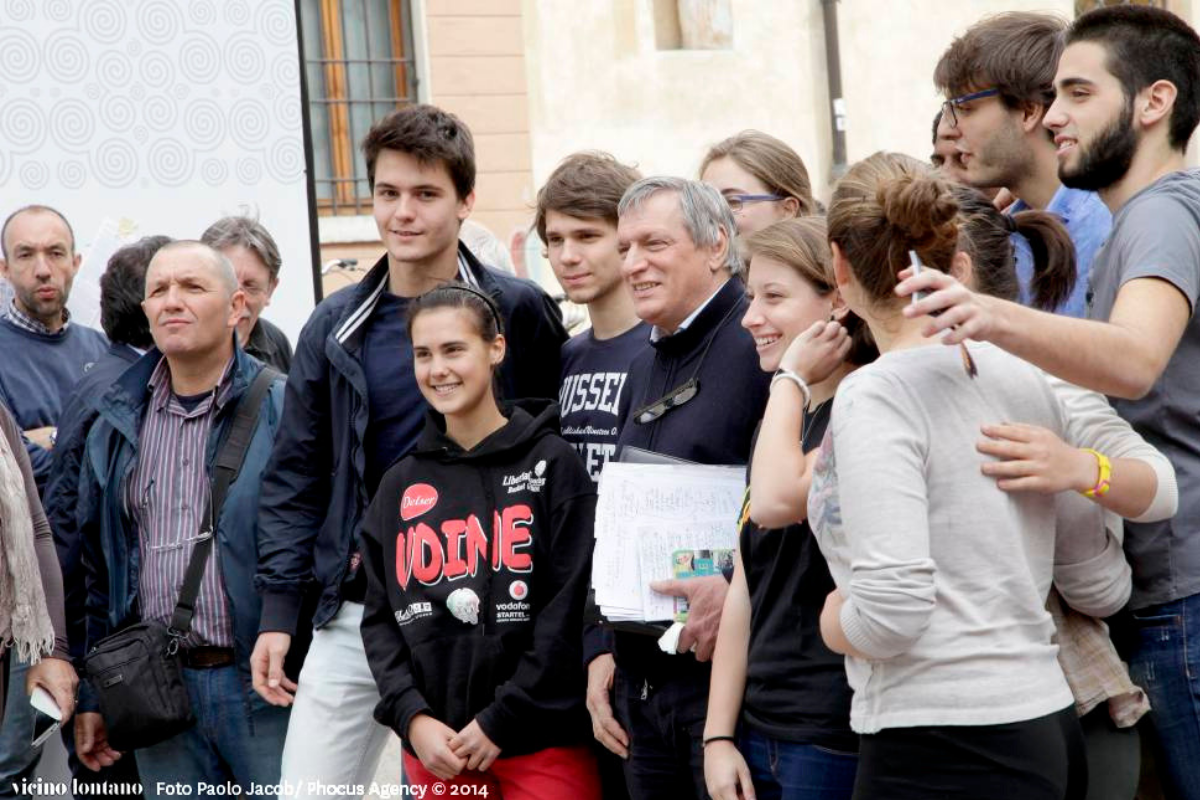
[(47, 556), (945, 576)]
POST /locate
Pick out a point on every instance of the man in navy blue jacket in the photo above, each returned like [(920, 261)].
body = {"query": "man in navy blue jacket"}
[(353, 407), (697, 393), (143, 498), (44, 354)]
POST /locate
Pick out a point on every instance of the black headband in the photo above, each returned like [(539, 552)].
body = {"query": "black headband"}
[(491, 304)]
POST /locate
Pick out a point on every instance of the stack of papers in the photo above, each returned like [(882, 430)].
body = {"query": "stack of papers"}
[(647, 514)]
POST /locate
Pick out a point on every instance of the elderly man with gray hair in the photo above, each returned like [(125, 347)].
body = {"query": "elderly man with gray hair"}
[(251, 249), (144, 504), (697, 394)]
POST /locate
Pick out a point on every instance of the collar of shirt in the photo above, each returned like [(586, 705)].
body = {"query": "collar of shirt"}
[(162, 397), (28, 323), (1064, 203), (657, 333)]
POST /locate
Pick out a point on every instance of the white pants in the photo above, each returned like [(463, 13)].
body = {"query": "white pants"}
[(332, 737)]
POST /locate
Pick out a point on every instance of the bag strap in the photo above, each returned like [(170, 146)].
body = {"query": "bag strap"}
[(231, 453)]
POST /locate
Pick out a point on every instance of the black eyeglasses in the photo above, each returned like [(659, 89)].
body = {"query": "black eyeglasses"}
[(673, 399), (951, 106)]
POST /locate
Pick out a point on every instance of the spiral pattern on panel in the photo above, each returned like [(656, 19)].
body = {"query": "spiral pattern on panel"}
[(160, 113), (114, 163), (72, 125), (200, 58), (118, 113), (156, 70), (72, 174), (170, 162), (109, 94), (114, 69), (214, 171), (249, 124), (35, 175), (202, 12), (237, 13), (285, 160), (22, 126), (19, 10), (249, 171), (18, 56), (244, 58), (103, 21), (66, 57), (57, 10), (276, 22), (159, 21), (204, 122)]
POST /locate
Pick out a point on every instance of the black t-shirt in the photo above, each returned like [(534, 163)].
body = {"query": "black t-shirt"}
[(397, 413), (796, 687), (593, 376)]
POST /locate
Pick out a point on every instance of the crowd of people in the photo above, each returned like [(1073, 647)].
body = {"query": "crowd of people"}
[(964, 392)]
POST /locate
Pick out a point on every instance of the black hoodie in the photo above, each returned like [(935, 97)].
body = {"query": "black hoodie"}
[(505, 531)]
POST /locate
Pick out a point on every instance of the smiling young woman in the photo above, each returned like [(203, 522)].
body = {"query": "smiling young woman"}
[(477, 550)]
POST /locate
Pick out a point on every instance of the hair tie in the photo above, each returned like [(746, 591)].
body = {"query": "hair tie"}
[(1010, 222)]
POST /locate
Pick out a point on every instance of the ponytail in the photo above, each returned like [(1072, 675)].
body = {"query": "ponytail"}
[(1054, 272)]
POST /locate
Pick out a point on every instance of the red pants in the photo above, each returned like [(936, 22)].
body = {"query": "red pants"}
[(567, 772)]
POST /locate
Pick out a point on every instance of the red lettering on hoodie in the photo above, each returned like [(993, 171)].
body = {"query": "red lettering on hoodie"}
[(422, 554)]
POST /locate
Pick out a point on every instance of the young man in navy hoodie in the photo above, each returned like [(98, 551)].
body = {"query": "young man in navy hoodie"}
[(577, 221), (353, 408), (697, 394), (1128, 101)]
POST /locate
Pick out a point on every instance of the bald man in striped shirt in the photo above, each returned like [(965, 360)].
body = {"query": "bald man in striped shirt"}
[(146, 490)]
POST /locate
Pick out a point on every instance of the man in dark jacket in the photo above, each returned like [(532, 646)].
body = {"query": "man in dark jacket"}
[(353, 407), (697, 393), (144, 494), (251, 249), (122, 287)]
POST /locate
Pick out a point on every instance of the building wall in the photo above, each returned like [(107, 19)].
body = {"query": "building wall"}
[(597, 80), (472, 63)]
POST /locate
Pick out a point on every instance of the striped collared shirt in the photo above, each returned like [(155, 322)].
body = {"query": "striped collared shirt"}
[(27, 323), (166, 494)]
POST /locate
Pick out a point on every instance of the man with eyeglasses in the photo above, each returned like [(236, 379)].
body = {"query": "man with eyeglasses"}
[(999, 78), (695, 394), (255, 257)]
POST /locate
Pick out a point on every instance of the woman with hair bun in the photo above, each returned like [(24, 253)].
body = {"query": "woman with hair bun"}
[(941, 575)]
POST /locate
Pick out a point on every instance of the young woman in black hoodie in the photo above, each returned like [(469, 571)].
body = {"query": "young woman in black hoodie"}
[(477, 549)]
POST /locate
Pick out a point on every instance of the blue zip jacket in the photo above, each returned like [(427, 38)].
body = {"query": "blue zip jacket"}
[(62, 491), (111, 554), (314, 494)]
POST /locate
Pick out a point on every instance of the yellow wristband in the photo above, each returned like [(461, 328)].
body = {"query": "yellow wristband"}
[(1103, 482)]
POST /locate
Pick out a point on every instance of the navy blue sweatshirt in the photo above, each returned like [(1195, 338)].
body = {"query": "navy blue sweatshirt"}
[(37, 374), (477, 569), (715, 427)]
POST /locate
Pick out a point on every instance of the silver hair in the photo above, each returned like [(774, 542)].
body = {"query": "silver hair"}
[(705, 212), (248, 233), (222, 266)]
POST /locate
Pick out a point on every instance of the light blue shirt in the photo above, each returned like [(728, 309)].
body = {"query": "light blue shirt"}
[(1088, 222)]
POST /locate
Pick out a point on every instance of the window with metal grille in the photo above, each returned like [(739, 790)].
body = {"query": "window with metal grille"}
[(359, 63)]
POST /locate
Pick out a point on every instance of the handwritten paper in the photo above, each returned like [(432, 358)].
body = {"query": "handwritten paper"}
[(644, 514)]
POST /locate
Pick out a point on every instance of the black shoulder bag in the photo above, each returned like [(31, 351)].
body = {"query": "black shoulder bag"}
[(136, 672)]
